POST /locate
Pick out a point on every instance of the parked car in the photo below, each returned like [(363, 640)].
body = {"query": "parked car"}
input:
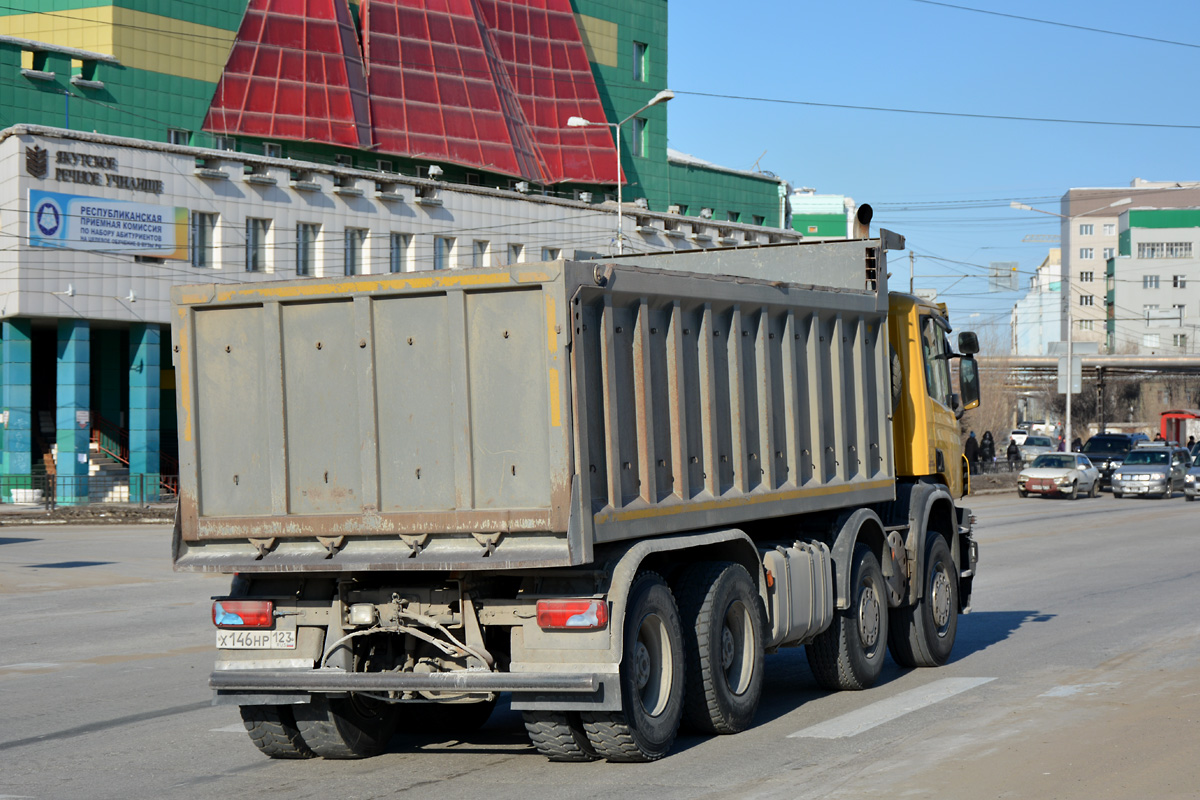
[(1152, 471), (1107, 451), (1034, 446), (1191, 482), (1070, 475), (1018, 435)]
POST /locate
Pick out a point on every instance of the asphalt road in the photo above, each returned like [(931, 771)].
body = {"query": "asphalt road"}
[(1077, 675)]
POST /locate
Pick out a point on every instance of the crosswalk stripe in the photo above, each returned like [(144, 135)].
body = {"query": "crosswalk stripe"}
[(876, 714)]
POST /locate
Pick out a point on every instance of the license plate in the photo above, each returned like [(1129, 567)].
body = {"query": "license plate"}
[(1041, 486), (256, 640)]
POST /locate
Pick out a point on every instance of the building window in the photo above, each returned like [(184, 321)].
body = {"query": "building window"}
[(1087, 253), (383, 165), (1150, 340), (1085, 299), (733, 216), (1180, 311), (1087, 324), (1149, 310), (343, 160), (225, 143), (1149, 281), (639, 137), (1179, 281), (1086, 229), (398, 254), (759, 219), (1164, 250), (204, 229), (1179, 340), (306, 248), (551, 253), (1110, 252), (356, 240), (1110, 229), (1085, 277), (479, 253), (256, 244), (516, 253), (443, 252), (179, 136), (272, 150), (641, 61)]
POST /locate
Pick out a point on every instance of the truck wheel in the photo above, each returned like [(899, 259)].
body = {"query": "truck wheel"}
[(923, 635), (447, 719), (652, 679), (559, 735), (723, 633), (358, 727), (273, 731), (849, 654)]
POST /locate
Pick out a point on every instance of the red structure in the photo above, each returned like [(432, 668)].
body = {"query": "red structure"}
[(1174, 424), (295, 72), (478, 83)]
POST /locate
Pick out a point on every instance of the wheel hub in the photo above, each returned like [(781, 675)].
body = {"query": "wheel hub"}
[(641, 666), (940, 596), (868, 617), (728, 648)]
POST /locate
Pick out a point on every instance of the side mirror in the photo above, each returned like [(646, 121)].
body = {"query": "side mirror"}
[(968, 343), (968, 381)]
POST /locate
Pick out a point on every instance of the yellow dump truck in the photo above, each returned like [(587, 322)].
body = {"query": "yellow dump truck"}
[(606, 487)]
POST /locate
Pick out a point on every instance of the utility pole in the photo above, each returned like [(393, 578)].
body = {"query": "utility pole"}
[(911, 273)]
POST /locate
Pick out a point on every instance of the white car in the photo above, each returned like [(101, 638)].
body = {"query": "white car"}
[(1018, 436), (1070, 475)]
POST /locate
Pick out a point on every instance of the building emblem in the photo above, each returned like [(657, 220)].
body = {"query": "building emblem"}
[(48, 217), (37, 161)]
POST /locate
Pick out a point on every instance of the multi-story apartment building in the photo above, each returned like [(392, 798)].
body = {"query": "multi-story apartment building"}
[(1153, 283), (1037, 317)]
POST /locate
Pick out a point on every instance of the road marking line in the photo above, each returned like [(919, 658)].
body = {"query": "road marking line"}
[(239, 728), (1069, 689), (876, 714), (29, 665)]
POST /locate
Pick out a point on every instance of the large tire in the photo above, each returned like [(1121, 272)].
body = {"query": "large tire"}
[(722, 619), (1094, 491), (1074, 490), (273, 731), (1022, 493), (849, 654), (357, 727), (652, 679), (445, 719), (559, 735), (922, 635)]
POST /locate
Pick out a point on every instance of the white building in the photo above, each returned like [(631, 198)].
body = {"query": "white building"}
[(1037, 317)]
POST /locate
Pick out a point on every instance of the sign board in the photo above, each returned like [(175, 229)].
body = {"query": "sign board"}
[(1003, 276), (78, 222), (1076, 374)]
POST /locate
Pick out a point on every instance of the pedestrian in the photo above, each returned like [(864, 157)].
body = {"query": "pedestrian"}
[(1014, 456), (1077, 445), (1062, 443), (971, 451), (1158, 437), (987, 450), (1191, 442)]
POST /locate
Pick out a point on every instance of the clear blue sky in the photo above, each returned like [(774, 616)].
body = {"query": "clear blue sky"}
[(943, 182)]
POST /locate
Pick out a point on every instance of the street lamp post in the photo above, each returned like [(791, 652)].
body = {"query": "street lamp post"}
[(1066, 292), (580, 122)]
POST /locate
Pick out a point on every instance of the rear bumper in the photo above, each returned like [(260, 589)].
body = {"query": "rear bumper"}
[(328, 680)]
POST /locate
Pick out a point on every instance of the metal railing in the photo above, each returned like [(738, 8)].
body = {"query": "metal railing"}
[(51, 491)]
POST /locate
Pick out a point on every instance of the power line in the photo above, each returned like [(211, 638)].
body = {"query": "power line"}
[(961, 114), (1059, 24)]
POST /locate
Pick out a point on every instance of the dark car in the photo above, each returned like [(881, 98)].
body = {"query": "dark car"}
[(1107, 451)]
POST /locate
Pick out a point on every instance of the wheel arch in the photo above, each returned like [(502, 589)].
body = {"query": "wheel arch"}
[(860, 525)]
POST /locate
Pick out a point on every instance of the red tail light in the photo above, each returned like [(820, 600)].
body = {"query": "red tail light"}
[(572, 614), (243, 613)]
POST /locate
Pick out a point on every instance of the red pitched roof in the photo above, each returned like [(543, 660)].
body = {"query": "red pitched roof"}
[(481, 83)]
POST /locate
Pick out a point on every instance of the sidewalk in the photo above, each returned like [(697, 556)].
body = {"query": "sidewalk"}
[(98, 514)]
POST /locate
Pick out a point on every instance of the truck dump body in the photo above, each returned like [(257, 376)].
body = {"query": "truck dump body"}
[(509, 418)]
